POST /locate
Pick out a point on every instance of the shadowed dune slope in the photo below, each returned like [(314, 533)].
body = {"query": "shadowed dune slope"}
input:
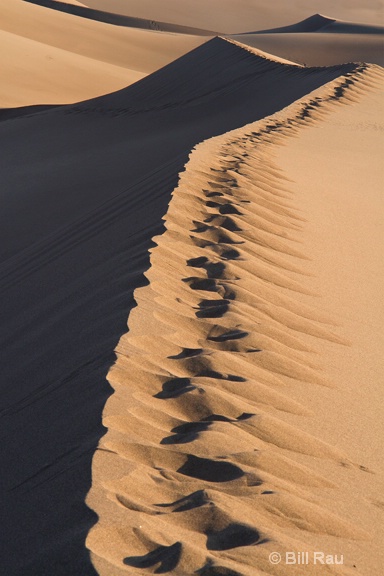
[(84, 188)]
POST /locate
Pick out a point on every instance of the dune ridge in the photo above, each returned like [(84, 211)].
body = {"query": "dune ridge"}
[(321, 23), (228, 17), (101, 173), (320, 41), (197, 473), (119, 19)]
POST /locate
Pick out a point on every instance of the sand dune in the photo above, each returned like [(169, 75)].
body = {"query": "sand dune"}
[(44, 72), (63, 58), (224, 201), (320, 23), (72, 58), (119, 19), (207, 466), (228, 16), (321, 41), (314, 49), (112, 163)]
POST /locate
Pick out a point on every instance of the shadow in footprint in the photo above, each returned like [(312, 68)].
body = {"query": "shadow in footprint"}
[(167, 556), (212, 308), (190, 431), (194, 500), (212, 194), (230, 335), (219, 376), (214, 269), (186, 433), (197, 262), (233, 536), (205, 284), (224, 222), (187, 353), (210, 470), (230, 254), (174, 388), (209, 569), (200, 227), (227, 208), (221, 418)]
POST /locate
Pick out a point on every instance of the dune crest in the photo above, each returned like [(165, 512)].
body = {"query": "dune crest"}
[(320, 23), (199, 471), (118, 19)]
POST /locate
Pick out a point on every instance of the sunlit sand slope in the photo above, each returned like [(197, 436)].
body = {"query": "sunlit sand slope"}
[(208, 465)]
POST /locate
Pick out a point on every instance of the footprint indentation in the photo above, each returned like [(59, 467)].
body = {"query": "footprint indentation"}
[(186, 433), (212, 308), (233, 536), (197, 262), (167, 556), (212, 570), (206, 373), (230, 335), (187, 353), (210, 470), (175, 387), (226, 208), (194, 500), (206, 284)]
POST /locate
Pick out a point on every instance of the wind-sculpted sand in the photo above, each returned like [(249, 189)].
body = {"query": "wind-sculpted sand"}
[(85, 190), (208, 465), (223, 197)]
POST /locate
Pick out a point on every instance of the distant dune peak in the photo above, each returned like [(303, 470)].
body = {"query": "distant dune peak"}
[(318, 20), (322, 23)]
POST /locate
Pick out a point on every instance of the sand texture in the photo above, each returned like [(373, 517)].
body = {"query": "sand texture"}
[(191, 269), (208, 462)]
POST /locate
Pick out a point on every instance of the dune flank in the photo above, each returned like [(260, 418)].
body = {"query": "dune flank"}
[(208, 466)]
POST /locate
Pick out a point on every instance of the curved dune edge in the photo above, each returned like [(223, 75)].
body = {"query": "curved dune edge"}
[(118, 19), (197, 470), (322, 23)]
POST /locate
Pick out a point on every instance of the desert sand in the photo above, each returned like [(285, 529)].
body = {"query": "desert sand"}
[(191, 268), (58, 58)]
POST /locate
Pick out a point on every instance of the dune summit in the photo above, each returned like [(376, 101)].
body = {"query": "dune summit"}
[(190, 266)]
